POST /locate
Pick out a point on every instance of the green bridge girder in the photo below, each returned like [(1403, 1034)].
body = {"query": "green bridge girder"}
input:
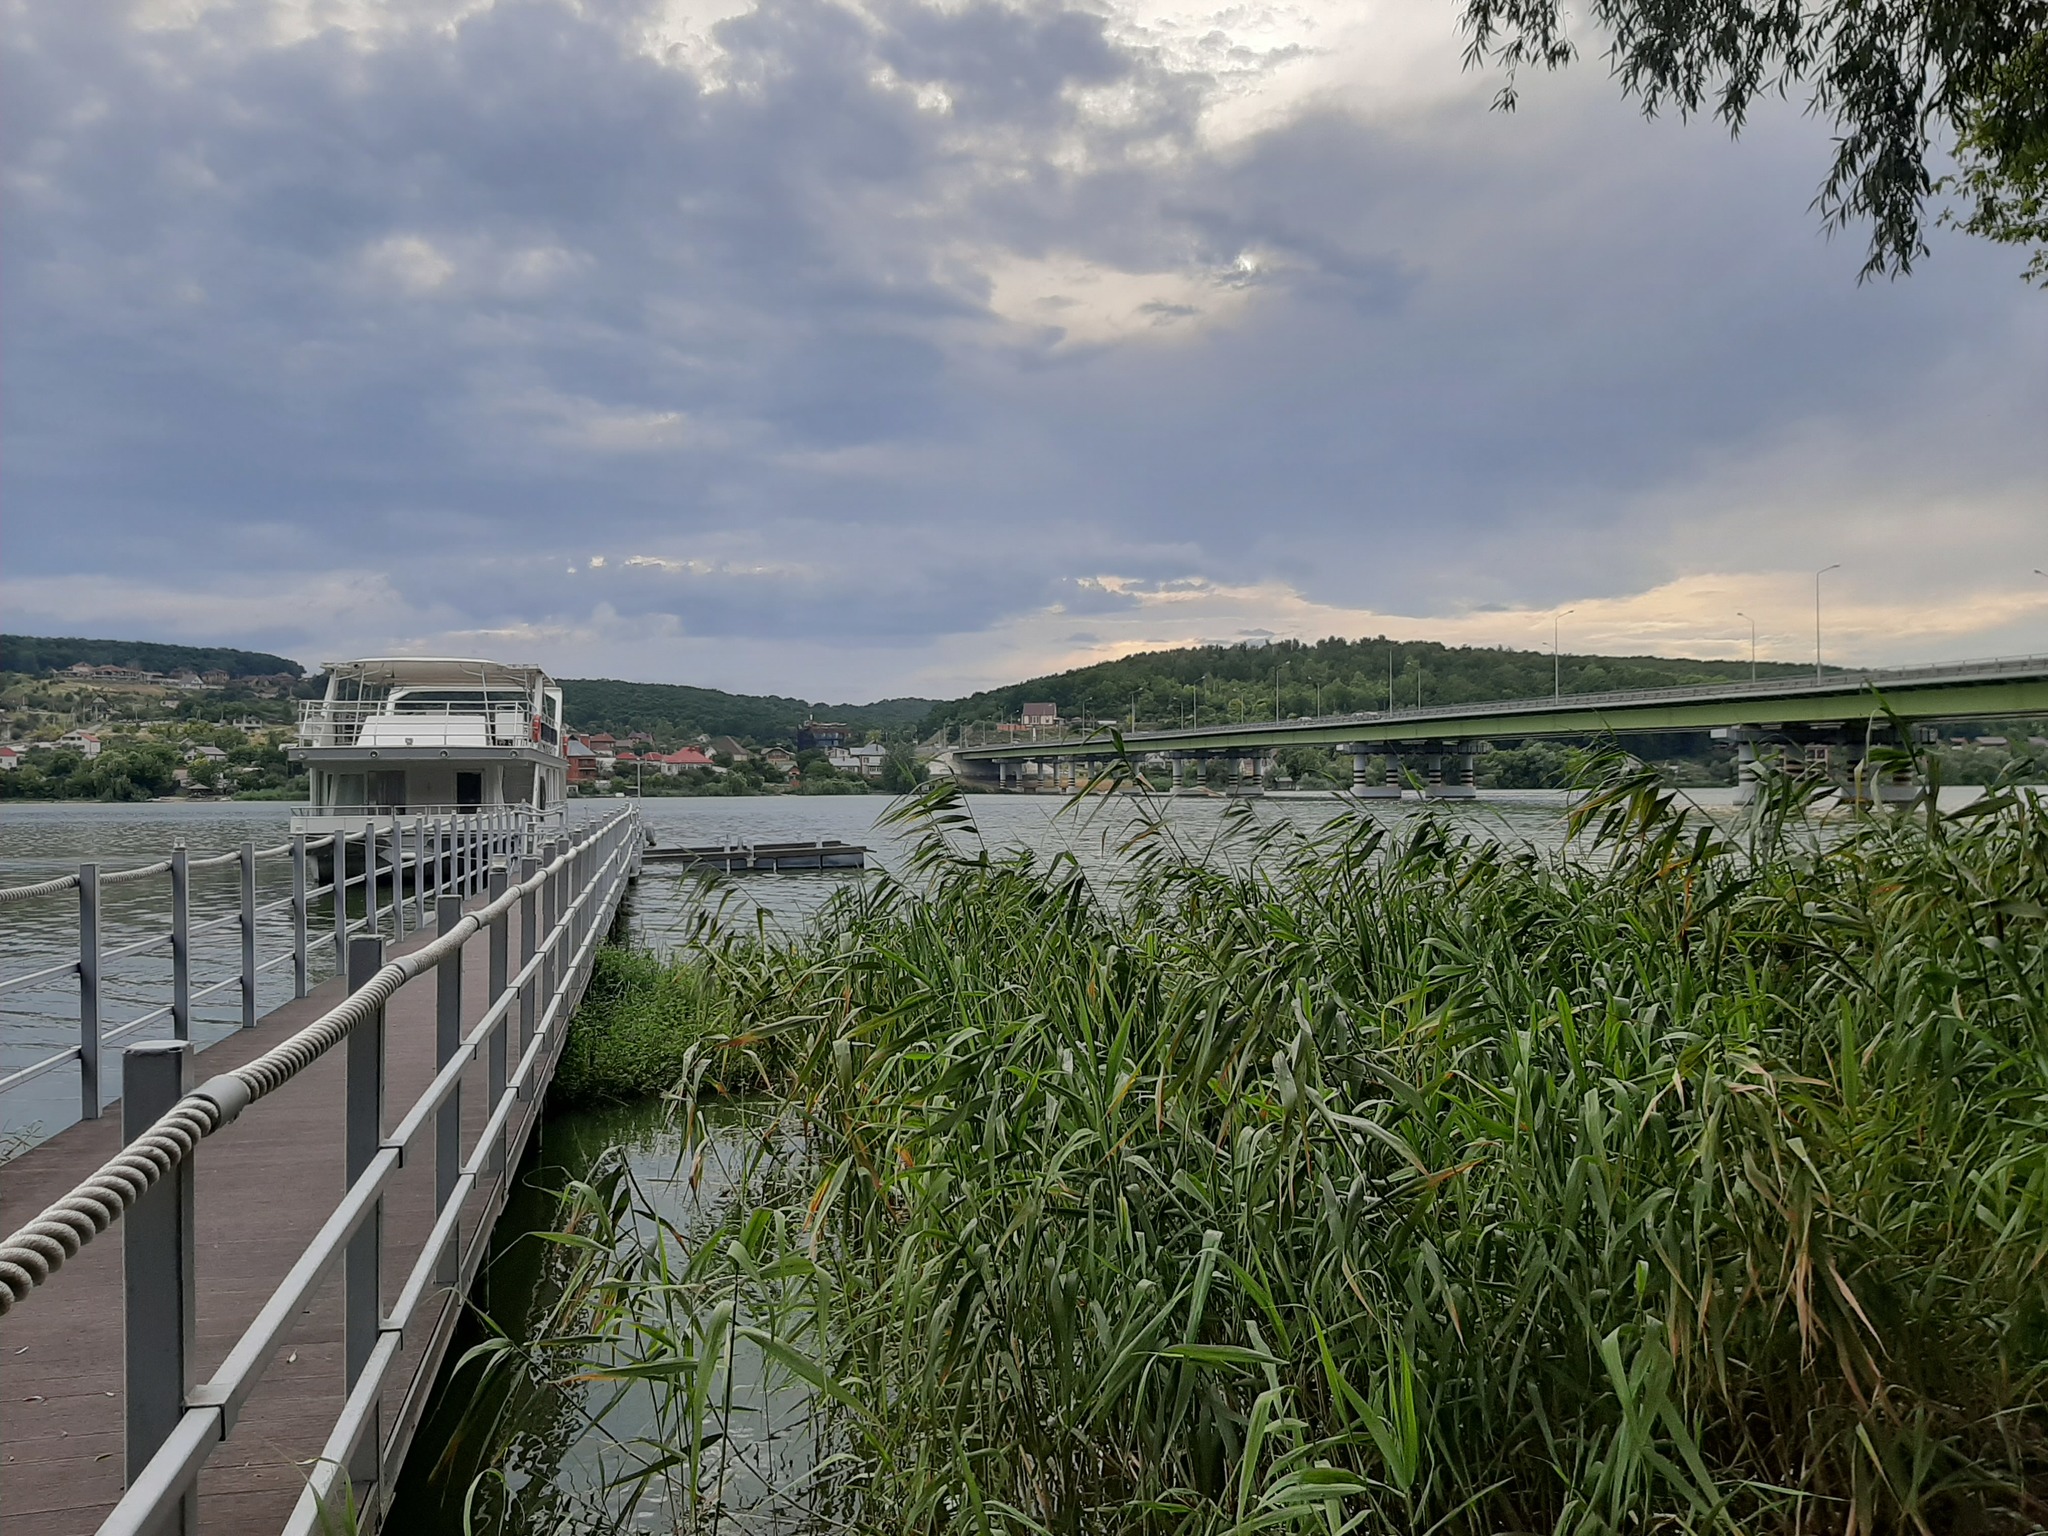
[(1850, 700)]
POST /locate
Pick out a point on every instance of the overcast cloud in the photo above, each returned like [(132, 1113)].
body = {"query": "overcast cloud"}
[(862, 347)]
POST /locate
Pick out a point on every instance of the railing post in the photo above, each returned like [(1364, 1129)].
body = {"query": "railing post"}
[(448, 1120), (397, 879), (529, 942), (550, 956), (158, 1288), (501, 966), (364, 1118), (247, 864), (88, 991), (181, 945), (338, 889), (299, 914), (419, 871), (427, 888), (373, 917)]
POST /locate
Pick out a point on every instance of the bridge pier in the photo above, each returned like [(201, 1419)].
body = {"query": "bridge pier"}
[(1362, 787)]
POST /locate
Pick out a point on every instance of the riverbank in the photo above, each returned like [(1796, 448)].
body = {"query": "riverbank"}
[(1388, 1178)]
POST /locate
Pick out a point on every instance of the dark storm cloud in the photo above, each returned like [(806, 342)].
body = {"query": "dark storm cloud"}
[(462, 307)]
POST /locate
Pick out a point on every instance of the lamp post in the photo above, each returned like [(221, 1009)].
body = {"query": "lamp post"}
[(1816, 614), (1752, 643), (1556, 665), (1276, 691)]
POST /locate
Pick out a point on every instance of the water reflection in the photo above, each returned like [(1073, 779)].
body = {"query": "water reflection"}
[(518, 1439)]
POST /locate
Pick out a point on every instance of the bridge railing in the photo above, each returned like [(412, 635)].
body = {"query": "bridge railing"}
[(433, 856), (564, 894), (1834, 681)]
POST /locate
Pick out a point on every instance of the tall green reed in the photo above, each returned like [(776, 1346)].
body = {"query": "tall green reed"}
[(1390, 1178)]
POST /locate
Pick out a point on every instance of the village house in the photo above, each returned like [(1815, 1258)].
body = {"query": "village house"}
[(684, 757), (80, 741), (582, 763), (779, 758), (824, 735), (9, 759), (727, 747), (1041, 714)]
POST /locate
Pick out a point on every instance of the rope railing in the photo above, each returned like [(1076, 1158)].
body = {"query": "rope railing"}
[(57, 885), (39, 1248), (422, 863)]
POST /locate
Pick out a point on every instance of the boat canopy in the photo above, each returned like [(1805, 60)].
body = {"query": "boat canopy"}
[(438, 672)]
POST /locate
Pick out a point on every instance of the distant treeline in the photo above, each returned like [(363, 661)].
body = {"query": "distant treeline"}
[(674, 711), (1325, 677), (43, 653)]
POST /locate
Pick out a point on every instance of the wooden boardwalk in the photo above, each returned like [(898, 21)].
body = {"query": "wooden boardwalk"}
[(265, 1184)]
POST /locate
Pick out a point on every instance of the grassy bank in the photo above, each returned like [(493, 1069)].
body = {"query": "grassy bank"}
[(1694, 1181)]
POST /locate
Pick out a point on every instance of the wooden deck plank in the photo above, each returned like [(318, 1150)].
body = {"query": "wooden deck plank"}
[(264, 1186)]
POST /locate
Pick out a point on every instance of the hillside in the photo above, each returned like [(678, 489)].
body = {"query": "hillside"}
[(675, 711), (42, 653), (1322, 677)]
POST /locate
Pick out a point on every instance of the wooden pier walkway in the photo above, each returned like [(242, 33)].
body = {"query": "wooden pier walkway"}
[(265, 1184)]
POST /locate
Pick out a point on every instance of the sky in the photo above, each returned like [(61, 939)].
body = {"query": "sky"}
[(860, 348)]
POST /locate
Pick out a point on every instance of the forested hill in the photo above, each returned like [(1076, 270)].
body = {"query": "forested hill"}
[(676, 712), (1323, 677), (42, 653)]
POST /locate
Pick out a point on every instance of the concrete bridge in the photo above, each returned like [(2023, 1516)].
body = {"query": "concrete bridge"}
[(1833, 717), (223, 1304)]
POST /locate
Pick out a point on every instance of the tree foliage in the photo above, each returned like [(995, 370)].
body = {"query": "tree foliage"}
[(1889, 75), (675, 711), (43, 653), (1224, 682)]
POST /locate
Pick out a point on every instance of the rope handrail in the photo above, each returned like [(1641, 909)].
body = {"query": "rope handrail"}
[(52, 887), (38, 1249)]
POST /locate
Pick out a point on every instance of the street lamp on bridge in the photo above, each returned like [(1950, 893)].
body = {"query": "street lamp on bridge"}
[(1752, 643), (1816, 614), (1556, 665)]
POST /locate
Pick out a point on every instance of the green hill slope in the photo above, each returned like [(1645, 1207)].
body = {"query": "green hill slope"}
[(675, 711), (43, 653), (1323, 677)]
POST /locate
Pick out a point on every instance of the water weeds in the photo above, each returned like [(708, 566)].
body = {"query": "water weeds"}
[(1354, 1181)]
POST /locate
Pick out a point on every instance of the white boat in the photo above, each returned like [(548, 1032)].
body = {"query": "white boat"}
[(400, 738)]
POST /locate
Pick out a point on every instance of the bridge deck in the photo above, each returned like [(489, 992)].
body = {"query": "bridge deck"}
[(1978, 690), (265, 1184)]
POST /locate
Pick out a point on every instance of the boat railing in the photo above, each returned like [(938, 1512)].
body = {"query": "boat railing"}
[(423, 723), (525, 817)]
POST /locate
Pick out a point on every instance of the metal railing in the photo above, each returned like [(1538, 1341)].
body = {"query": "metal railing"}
[(522, 817), (426, 723), (430, 858), (1831, 682), (565, 894)]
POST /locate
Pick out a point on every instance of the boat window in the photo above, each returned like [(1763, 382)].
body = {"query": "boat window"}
[(448, 701)]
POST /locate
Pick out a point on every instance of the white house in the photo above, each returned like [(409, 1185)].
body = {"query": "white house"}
[(865, 761), (80, 741), (9, 759)]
